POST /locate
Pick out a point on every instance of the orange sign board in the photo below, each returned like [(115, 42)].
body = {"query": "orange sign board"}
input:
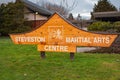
[(57, 32)]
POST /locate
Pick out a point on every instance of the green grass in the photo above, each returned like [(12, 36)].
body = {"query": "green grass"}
[(23, 62)]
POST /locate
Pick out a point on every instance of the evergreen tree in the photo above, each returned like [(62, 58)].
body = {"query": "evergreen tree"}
[(70, 17), (12, 18), (103, 6), (2, 8), (79, 17)]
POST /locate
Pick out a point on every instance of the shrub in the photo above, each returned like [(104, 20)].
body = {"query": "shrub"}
[(100, 26), (117, 26)]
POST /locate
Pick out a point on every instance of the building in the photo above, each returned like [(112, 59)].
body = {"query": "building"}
[(111, 16), (80, 23), (35, 14)]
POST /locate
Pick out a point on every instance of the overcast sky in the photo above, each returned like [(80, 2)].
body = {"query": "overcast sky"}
[(84, 7)]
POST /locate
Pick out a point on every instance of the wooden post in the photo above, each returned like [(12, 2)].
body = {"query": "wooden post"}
[(42, 54), (72, 56)]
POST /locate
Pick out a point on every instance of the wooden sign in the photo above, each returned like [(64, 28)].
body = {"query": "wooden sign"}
[(58, 35)]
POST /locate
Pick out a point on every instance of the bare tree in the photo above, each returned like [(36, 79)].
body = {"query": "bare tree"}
[(63, 8)]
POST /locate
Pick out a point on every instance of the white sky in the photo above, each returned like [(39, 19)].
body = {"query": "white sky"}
[(84, 7)]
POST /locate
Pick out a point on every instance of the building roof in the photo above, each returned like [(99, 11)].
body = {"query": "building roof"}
[(106, 14), (36, 8)]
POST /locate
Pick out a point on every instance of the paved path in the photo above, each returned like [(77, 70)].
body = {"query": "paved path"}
[(83, 49)]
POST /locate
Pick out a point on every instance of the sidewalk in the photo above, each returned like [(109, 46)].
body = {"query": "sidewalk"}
[(83, 49)]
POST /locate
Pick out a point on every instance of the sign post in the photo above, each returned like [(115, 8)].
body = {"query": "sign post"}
[(72, 55), (42, 54), (58, 35)]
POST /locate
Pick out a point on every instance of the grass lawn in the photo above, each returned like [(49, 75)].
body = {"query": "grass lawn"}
[(23, 62)]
